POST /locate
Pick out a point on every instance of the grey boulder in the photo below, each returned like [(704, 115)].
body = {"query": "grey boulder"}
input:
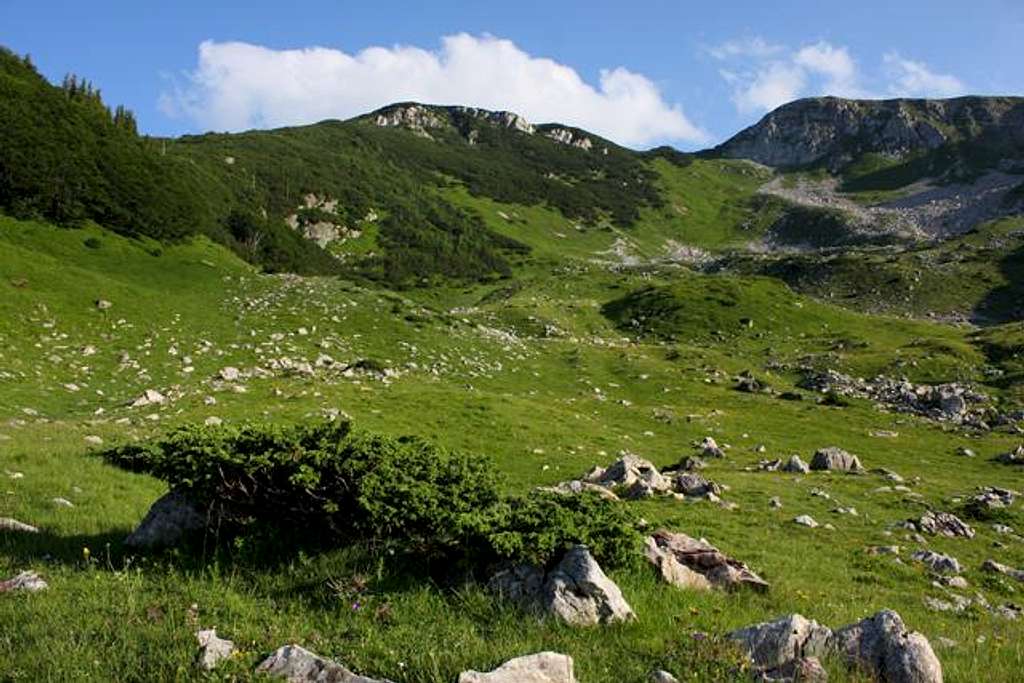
[(298, 665), (543, 667), (168, 522), (774, 644), (579, 593), (833, 458), (882, 646)]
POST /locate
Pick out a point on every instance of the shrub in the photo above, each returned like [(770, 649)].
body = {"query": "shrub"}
[(336, 485)]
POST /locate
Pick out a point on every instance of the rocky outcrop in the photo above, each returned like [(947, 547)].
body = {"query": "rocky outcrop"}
[(942, 524), (169, 521), (833, 458), (570, 137), (691, 563), (881, 646), (543, 667), (576, 591), (298, 665), (834, 131)]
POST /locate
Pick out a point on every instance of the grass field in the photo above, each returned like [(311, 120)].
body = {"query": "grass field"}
[(546, 374)]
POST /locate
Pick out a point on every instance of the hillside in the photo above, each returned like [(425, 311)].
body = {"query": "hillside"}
[(366, 351)]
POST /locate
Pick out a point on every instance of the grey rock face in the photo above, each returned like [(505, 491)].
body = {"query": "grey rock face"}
[(937, 562), (298, 665), (10, 524), (834, 131), (29, 582), (796, 466), (833, 458), (167, 523), (774, 644), (212, 649), (579, 593), (882, 646), (943, 523), (672, 552), (543, 667)]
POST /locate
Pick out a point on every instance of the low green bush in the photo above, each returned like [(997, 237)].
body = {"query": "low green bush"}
[(336, 485)]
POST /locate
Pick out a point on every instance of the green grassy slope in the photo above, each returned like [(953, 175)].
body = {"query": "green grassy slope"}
[(546, 374)]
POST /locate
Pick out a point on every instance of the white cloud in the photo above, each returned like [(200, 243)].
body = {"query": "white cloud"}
[(239, 85), (915, 79), (763, 76)]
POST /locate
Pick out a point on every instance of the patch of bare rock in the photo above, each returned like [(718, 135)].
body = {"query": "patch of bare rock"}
[(881, 646)]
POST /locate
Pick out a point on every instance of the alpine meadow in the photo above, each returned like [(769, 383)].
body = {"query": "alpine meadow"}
[(439, 393)]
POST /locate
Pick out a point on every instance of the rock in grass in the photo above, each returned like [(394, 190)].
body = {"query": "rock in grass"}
[(944, 524), (661, 677), (29, 582), (9, 524), (801, 670), (576, 590), (833, 458), (671, 570), (700, 557), (579, 593), (298, 665), (149, 397), (168, 522), (543, 667), (937, 562), (882, 646), (212, 649), (995, 567), (806, 520), (795, 465), (774, 644)]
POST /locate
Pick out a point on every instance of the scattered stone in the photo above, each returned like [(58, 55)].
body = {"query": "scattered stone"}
[(1014, 457), (25, 581), (299, 665), (169, 520), (103, 305), (9, 524), (94, 440), (543, 667), (937, 562), (884, 550), (576, 590), (63, 503), (833, 458), (774, 644), (796, 466), (991, 498), (695, 485), (702, 558), (691, 463), (806, 520), (638, 476), (709, 448), (943, 523), (230, 374), (661, 677), (775, 502), (579, 593), (882, 646), (149, 397), (995, 567), (213, 421), (212, 649), (965, 452), (800, 670)]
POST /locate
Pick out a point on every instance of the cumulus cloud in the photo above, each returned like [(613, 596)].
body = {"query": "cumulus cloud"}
[(763, 76), (239, 85), (915, 79)]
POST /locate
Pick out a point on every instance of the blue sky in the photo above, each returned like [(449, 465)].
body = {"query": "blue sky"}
[(642, 73)]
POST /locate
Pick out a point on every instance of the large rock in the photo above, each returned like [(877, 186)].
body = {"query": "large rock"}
[(520, 583), (298, 665), (29, 582), (9, 524), (882, 646), (833, 458), (579, 593), (796, 465), (212, 649), (944, 524), (802, 670), (640, 477), (703, 558), (691, 484), (937, 562), (169, 521), (543, 667), (671, 570), (774, 644), (997, 568)]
